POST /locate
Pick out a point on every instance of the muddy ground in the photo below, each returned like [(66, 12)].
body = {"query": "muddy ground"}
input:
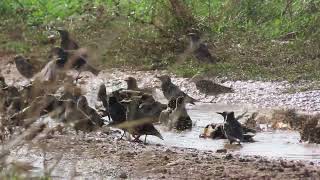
[(103, 156)]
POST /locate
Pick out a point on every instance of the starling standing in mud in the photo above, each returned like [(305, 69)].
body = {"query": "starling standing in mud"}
[(11, 100), (77, 119), (24, 67), (232, 127), (149, 107), (200, 50), (170, 90), (208, 87), (102, 96), (138, 123), (3, 83), (92, 114), (117, 111), (132, 85), (67, 43), (179, 118)]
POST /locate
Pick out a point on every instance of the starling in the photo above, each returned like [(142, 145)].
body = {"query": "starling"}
[(3, 83), (11, 100), (73, 60), (78, 61), (24, 67), (150, 107), (232, 128), (179, 118), (200, 50), (76, 118), (102, 96), (208, 87), (92, 114), (170, 90), (50, 73), (138, 123), (132, 85), (67, 43), (117, 111)]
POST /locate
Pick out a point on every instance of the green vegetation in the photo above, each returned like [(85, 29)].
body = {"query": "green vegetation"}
[(274, 40)]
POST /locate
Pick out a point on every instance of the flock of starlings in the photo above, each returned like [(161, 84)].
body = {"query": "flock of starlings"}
[(134, 109)]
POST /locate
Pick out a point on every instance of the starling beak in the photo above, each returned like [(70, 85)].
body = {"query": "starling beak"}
[(223, 114), (66, 42), (24, 67), (170, 90)]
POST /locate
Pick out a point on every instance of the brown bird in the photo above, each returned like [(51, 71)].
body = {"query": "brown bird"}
[(170, 90), (209, 87), (179, 118), (67, 43), (3, 83), (201, 50), (91, 113), (137, 123), (103, 97), (24, 67)]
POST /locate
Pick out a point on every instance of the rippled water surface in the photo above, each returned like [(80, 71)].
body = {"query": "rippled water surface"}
[(271, 144)]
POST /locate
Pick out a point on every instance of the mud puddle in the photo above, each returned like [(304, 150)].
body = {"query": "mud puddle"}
[(274, 144)]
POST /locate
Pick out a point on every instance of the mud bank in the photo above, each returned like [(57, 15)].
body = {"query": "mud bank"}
[(101, 156)]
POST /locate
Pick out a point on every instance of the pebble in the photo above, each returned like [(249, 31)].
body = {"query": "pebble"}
[(221, 151), (123, 175)]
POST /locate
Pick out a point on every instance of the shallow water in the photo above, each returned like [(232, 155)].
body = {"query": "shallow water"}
[(270, 144)]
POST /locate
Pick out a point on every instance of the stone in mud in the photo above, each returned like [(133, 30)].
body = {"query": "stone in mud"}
[(221, 151), (123, 175)]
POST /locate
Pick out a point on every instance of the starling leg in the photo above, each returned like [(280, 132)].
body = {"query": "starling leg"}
[(145, 140), (78, 76), (136, 139), (122, 135)]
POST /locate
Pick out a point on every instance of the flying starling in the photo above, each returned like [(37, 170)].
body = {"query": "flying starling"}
[(179, 118), (72, 60), (170, 90), (67, 43), (232, 128), (200, 50), (24, 67)]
